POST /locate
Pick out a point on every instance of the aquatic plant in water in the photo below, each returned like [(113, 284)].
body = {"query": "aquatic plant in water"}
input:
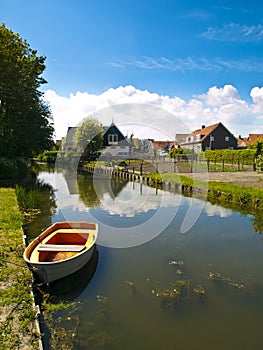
[(101, 299), (176, 263), (218, 277), (199, 290)]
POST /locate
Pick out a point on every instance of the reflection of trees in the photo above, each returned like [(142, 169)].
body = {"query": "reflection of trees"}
[(257, 223), (90, 195), (87, 192), (47, 207)]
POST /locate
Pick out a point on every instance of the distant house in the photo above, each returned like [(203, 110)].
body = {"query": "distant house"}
[(245, 142), (162, 146), (68, 144), (180, 138), (141, 146), (114, 142), (215, 136)]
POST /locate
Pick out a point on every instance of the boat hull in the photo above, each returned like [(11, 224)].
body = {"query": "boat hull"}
[(51, 271), (55, 271)]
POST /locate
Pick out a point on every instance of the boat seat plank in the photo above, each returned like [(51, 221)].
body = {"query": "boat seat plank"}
[(60, 248), (74, 230)]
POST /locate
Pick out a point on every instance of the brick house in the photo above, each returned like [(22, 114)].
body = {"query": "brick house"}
[(215, 136)]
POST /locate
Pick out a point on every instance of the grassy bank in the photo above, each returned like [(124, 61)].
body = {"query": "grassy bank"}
[(17, 314), (221, 192)]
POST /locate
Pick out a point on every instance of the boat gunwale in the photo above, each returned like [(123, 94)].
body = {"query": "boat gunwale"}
[(32, 246)]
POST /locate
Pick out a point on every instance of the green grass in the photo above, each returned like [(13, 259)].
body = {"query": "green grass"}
[(178, 179), (27, 199), (16, 308), (222, 192)]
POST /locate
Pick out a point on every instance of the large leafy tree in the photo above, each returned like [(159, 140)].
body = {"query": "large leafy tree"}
[(25, 118), (258, 146), (89, 136)]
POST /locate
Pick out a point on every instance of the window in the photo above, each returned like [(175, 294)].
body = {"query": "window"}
[(212, 138), (226, 138), (112, 139)]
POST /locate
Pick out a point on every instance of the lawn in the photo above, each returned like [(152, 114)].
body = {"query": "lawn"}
[(17, 315)]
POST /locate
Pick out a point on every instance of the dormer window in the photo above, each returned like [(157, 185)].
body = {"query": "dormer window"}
[(112, 139)]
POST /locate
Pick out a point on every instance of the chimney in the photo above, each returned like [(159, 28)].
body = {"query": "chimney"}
[(203, 126)]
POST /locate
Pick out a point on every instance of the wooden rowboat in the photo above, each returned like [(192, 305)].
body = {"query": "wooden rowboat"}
[(62, 249)]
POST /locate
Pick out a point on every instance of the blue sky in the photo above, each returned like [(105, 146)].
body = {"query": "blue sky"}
[(201, 60)]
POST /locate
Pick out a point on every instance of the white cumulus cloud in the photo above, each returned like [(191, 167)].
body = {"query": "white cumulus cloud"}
[(133, 110)]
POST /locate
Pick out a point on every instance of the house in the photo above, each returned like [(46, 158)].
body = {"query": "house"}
[(114, 142), (142, 146), (245, 142), (68, 143), (180, 138), (162, 146), (211, 137)]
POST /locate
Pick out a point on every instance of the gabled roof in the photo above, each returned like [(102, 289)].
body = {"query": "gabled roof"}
[(70, 134), (205, 131), (243, 142), (106, 128), (161, 144), (255, 137), (248, 141)]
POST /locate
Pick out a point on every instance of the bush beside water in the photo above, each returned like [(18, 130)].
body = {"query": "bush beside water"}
[(16, 168), (27, 199)]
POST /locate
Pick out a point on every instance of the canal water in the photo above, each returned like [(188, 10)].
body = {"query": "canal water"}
[(151, 284)]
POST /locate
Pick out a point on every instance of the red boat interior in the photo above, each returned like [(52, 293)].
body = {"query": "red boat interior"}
[(68, 238), (54, 246)]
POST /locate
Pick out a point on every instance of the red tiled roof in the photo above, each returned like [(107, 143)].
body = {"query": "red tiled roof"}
[(243, 142), (161, 144), (248, 141), (204, 132), (255, 137)]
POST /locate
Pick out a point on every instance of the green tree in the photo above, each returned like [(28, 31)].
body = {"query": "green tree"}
[(89, 136), (25, 118), (258, 146)]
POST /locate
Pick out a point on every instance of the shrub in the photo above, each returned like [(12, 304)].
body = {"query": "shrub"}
[(16, 168), (27, 199), (259, 163), (48, 156)]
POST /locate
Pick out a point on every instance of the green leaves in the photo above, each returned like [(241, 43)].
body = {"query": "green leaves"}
[(89, 136), (25, 124), (229, 156)]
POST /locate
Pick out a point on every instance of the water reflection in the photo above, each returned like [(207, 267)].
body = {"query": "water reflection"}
[(92, 196), (122, 199), (34, 226), (119, 309), (71, 287)]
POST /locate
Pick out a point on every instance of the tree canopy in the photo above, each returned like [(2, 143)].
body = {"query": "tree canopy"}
[(89, 136), (25, 118), (258, 146)]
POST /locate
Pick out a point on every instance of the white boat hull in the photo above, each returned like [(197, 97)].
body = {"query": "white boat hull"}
[(57, 270), (48, 271)]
